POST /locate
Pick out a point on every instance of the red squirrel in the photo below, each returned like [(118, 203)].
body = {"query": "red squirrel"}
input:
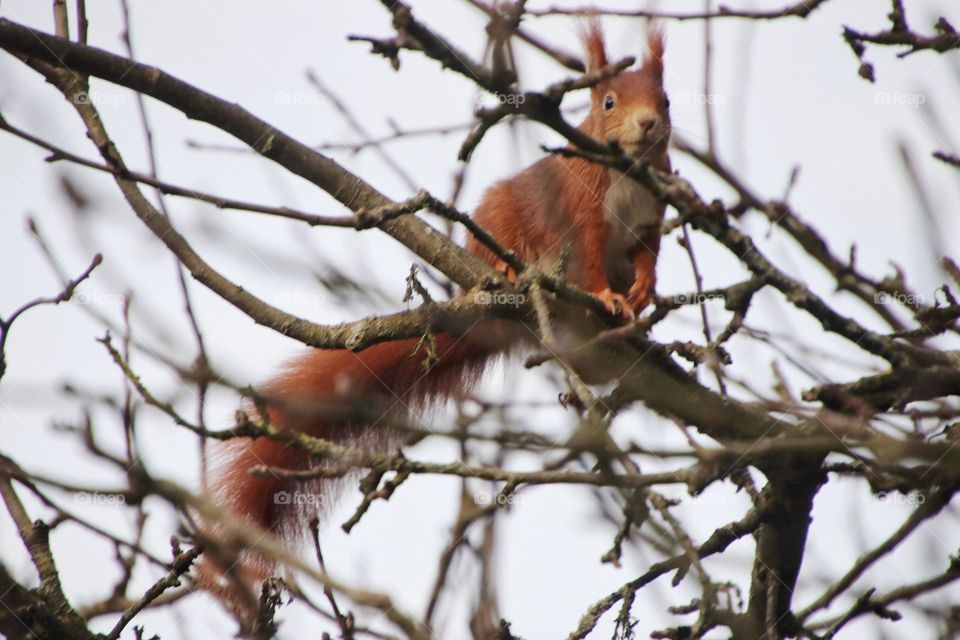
[(606, 222)]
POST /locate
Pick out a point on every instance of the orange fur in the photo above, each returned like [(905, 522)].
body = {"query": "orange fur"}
[(338, 395), (561, 203), (386, 380), (592, 35), (655, 46), (605, 221)]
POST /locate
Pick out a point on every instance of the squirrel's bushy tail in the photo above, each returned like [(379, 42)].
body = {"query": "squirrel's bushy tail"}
[(342, 396)]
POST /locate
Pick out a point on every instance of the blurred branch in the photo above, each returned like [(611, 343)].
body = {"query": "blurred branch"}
[(350, 459), (718, 541), (44, 611), (780, 213), (7, 323), (354, 193), (900, 35), (543, 107), (568, 60), (798, 10), (398, 134), (359, 129), (181, 564), (879, 605), (714, 220), (948, 158), (871, 427), (930, 507), (462, 267)]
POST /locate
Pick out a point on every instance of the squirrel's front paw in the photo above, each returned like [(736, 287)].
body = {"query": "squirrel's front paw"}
[(639, 297), (641, 291), (506, 270), (616, 303)]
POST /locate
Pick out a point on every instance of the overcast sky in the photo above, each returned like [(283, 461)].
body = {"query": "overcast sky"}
[(786, 94)]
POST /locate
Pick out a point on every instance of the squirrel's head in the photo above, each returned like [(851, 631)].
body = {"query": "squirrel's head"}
[(631, 108)]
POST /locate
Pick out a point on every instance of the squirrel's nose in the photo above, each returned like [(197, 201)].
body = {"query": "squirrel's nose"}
[(646, 123)]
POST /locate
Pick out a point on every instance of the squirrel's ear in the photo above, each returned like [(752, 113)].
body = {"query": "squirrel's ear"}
[(592, 35), (654, 58)]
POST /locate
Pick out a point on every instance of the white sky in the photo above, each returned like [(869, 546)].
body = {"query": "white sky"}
[(788, 95)]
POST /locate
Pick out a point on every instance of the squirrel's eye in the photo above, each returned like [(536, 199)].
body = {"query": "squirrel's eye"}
[(608, 103), (666, 102)]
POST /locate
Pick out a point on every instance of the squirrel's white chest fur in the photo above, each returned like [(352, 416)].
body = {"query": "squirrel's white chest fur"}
[(629, 207), (632, 212)]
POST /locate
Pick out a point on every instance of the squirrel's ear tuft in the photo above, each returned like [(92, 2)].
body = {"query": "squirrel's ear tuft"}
[(592, 35), (654, 58)]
